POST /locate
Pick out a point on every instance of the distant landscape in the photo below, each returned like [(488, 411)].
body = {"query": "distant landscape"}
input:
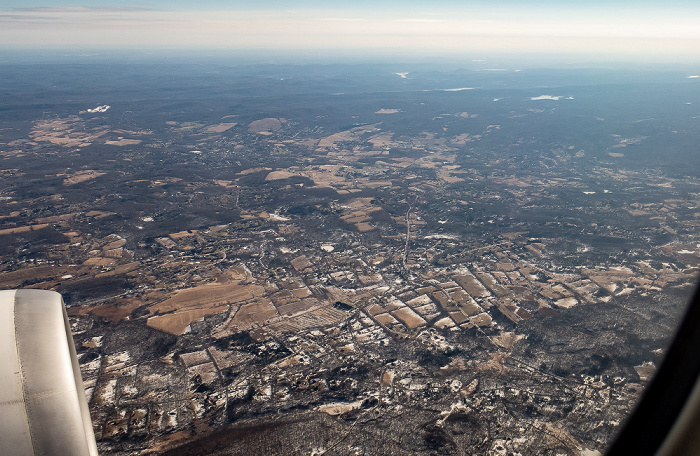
[(354, 258)]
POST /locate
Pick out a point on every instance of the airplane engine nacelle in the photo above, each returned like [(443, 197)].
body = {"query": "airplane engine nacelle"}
[(43, 409)]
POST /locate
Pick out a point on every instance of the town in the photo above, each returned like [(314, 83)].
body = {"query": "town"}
[(245, 280)]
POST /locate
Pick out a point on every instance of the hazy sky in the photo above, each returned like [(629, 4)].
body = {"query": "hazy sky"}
[(610, 29)]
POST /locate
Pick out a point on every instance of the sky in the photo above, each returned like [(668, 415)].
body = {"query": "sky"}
[(584, 29)]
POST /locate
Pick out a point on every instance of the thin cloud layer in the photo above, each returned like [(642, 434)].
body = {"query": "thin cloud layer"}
[(632, 34), (80, 9)]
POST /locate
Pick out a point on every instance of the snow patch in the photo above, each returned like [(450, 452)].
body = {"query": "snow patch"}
[(102, 108)]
